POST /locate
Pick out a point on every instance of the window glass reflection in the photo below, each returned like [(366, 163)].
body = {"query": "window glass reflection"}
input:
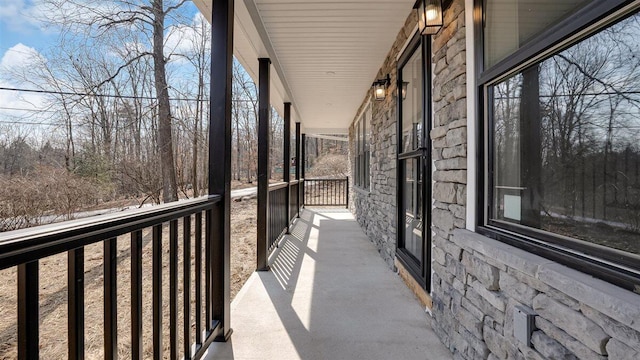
[(567, 141), (411, 76)]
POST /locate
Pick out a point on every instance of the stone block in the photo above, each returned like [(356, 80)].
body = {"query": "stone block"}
[(438, 132), (529, 354), (438, 255), (443, 219), (498, 265), (478, 348), (459, 223), (516, 289), (458, 163), (572, 322), (548, 347), (568, 341), (474, 310), (459, 285), (461, 194), (458, 124), (612, 327), (492, 323), (615, 302), (620, 351), (439, 143), (488, 275), (496, 299), (446, 276), (456, 268), (454, 250), (453, 176), (456, 137), (468, 320), (456, 151), (496, 343), (528, 279), (481, 303), (458, 211), (445, 192)]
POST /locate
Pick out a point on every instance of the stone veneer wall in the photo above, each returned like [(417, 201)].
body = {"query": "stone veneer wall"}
[(477, 282), (375, 209)]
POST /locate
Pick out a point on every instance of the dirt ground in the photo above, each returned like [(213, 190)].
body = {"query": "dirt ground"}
[(243, 242), (53, 291)]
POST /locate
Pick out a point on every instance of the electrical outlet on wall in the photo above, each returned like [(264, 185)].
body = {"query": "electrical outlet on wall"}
[(524, 323)]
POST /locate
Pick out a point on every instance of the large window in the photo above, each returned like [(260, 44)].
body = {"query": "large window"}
[(562, 154), (363, 149)]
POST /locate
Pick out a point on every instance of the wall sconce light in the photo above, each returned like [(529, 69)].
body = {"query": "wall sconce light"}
[(405, 84), (380, 88), (429, 16)]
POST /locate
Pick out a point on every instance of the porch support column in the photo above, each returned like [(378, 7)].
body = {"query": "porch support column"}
[(263, 162), (220, 161), (286, 161), (303, 160), (298, 166)]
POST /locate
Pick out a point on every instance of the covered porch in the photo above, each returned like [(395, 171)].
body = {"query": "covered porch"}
[(329, 295)]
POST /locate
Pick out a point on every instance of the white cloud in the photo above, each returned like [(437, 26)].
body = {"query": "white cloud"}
[(183, 39), (21, 56), (19, 59), (17, 14)]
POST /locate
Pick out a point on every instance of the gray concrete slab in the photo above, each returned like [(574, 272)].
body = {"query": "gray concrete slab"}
[(328, 295)]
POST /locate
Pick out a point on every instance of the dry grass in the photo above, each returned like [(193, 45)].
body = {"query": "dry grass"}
[(53, 292)]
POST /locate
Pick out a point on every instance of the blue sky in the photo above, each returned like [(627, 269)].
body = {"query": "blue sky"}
[(18, 25), (24, 38)]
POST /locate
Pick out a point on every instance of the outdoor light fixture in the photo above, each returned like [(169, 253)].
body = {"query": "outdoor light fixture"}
[(405, 84), (429, 16), (380, 88)]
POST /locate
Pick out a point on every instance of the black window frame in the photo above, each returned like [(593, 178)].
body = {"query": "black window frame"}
[(614, 266)]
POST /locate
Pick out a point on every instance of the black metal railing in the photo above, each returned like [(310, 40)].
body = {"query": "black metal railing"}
[(294, 199), (326, 192), (278, 221), (181, 224)]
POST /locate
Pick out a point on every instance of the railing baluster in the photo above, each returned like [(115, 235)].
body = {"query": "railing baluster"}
[(75, 303), (207, 271), (186, 288), (173, 289), (136, 295), (28, 311), (110, 299), (198, 283), (157, 292)]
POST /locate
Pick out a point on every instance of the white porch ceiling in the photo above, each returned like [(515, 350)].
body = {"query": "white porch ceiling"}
[(325, 53)]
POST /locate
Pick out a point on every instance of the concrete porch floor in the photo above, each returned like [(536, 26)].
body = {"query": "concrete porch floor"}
[(329, 295)]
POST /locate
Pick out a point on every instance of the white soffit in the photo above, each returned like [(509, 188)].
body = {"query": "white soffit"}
[(325, 53)]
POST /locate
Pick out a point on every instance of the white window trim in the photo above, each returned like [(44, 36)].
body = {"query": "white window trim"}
[(472, 130)]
